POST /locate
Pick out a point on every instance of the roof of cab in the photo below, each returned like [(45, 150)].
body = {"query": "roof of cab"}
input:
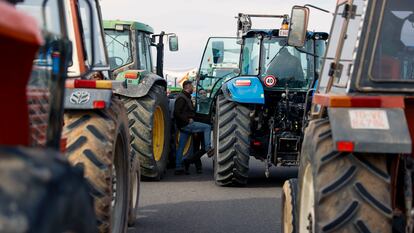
[(110, 24), (275, 32)]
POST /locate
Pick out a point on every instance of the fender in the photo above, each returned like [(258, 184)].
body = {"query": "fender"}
[(247, 94), (136, 83), (388, 135)]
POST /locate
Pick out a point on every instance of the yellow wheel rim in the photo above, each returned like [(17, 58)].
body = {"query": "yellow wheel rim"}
[(158, 133), (187, 144)]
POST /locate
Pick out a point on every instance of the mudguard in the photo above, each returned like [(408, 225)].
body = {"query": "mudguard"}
[(249, 94), (137, 86), (371, 130), (84, 98)]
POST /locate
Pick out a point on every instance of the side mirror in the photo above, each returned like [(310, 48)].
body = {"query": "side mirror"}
[(218, 51), (173, 43), (298, 26), (202, 76)]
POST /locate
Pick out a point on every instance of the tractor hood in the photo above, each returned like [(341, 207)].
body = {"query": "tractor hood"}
[(244, 89)]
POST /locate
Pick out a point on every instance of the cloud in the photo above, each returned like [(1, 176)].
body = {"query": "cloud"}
[(194, 21)]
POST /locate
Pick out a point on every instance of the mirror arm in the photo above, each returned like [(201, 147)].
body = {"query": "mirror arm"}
[(160, 54), (318, 8)]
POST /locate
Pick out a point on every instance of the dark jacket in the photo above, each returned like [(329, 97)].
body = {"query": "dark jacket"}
[(183, 109)]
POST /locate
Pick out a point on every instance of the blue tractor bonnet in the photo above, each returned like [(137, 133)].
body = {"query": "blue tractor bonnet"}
[(246, 89)]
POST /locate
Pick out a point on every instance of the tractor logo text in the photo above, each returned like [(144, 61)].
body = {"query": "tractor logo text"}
[(80, 97)]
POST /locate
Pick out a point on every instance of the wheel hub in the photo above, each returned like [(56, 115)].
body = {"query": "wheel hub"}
[(158, 133)]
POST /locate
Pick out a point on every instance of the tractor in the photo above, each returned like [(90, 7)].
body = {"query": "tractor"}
[(40, 190), (356, 166), (95, 119), (256, 91), (144, 93)]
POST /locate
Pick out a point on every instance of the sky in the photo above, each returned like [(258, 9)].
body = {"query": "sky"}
[(194, 21)]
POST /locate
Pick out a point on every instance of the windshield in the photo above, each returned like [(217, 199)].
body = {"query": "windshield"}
[(42, 64), (393, 59), (118, 44), (34, 9), (220, 62), (290, 66), (221, 57), (250, 56), (100, 57)]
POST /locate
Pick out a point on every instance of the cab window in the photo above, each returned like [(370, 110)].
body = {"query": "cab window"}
[(394, 46), (350, 44), (333, 44), (219, 63), (100, 56), (144, 52)]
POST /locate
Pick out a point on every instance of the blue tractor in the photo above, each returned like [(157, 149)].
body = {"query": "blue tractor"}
[(255, 89)]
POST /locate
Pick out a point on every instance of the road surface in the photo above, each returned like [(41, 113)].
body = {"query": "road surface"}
[(194, 204)]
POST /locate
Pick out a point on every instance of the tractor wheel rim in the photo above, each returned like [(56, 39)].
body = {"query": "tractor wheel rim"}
[(287, 209), (113, 186), (158, 133), (135, 190), (307, 202), (187, 144)]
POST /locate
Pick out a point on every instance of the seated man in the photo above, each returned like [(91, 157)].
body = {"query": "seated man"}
[(184, 114)]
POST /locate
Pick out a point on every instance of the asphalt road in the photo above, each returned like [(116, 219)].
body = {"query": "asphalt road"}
[(194, 204)]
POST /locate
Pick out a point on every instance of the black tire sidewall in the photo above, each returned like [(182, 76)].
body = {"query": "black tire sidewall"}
[(162, 102), (122, 133)]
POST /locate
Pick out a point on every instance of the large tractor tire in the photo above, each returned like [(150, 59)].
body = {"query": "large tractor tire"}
[(149, 124), (42, 192), (135, 189), (341, 192), (288, 204), (98, 141), (232, 143)]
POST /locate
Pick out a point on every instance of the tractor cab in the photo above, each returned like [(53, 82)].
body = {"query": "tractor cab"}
[(266, 55), (129, 46), (368, 64), (362, 120), (258, 61)]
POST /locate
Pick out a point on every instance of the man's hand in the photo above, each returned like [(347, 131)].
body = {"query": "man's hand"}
[(191, 120)]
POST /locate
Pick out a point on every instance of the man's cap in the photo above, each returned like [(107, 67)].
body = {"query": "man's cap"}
[(185, 83)]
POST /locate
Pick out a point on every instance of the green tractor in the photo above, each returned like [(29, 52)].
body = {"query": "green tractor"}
[(144, 93)]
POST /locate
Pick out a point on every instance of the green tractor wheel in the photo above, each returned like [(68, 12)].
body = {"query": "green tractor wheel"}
[(135, 185), (149, 126)]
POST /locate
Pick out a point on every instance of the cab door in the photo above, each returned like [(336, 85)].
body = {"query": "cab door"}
[(220, 62), (144, 51)]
